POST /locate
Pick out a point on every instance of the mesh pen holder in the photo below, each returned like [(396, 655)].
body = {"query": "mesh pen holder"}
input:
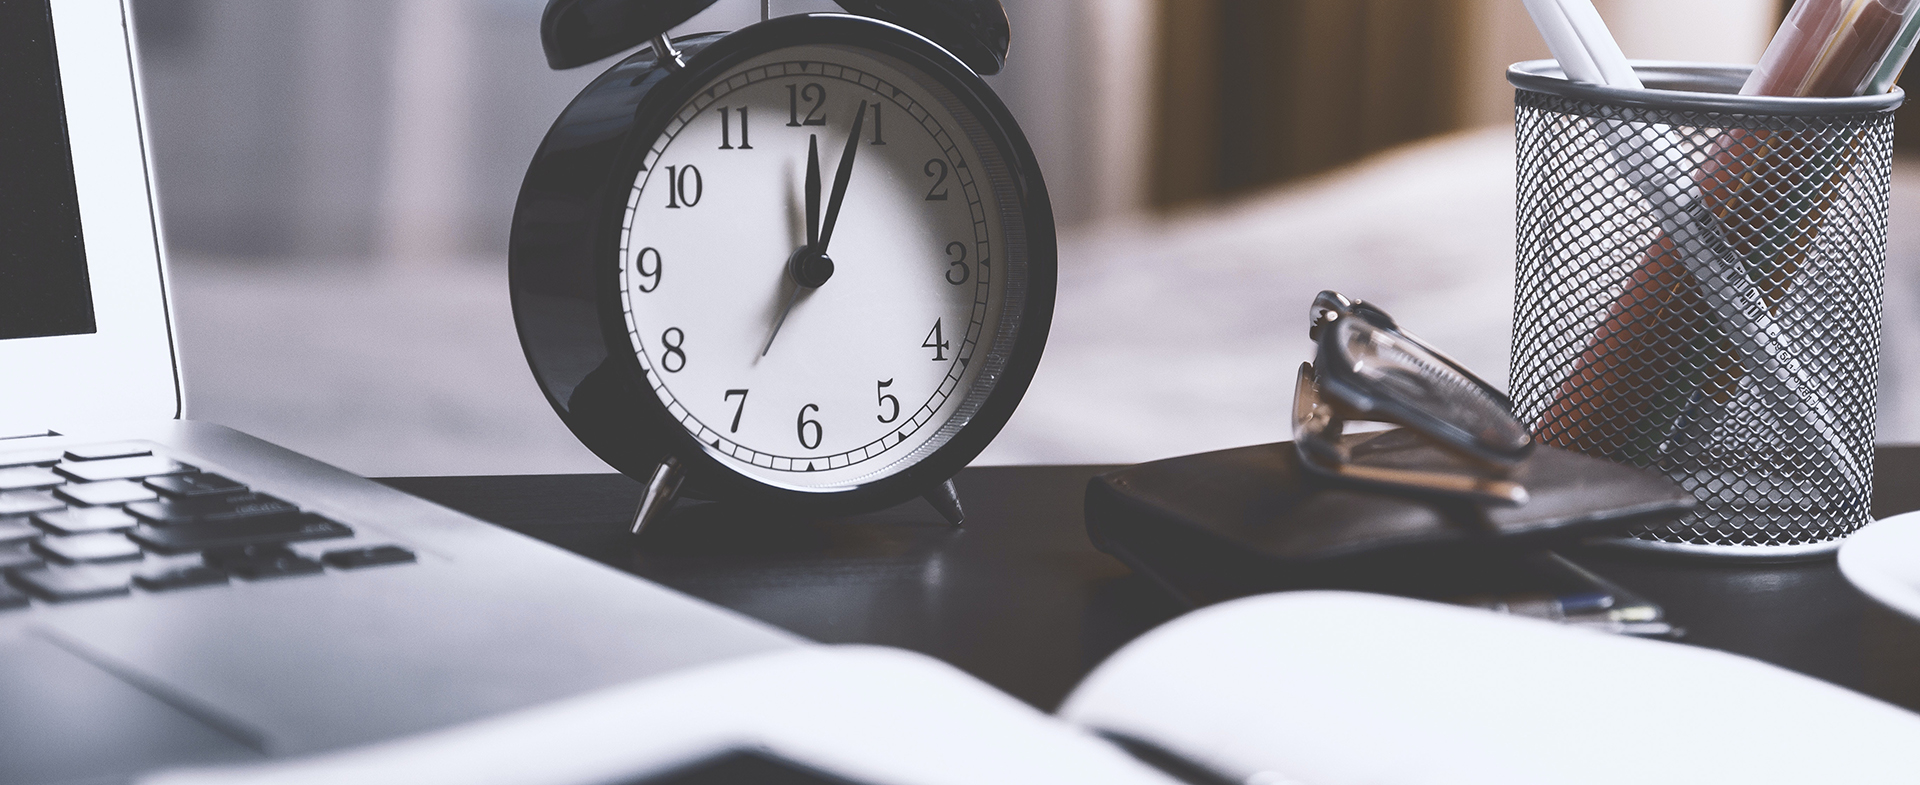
[(1699, 280)]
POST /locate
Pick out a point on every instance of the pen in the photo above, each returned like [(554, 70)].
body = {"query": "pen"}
[(1850, 57), (1581, 43), (1799, 41), (1836, 48), (1645, 629), (1895, 60), (1564, 42), (1553, 607), (1601, 48)]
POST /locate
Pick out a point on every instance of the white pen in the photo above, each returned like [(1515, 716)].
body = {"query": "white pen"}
[(1564, 42), (1601, 48)]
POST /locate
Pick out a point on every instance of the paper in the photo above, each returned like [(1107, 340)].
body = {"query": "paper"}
[(1335, 688), (866, 714)]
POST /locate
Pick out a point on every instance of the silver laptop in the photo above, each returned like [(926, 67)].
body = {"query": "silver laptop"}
[(176, 592)]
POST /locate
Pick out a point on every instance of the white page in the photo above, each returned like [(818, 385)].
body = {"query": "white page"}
[(1333, 688), (864, 713)]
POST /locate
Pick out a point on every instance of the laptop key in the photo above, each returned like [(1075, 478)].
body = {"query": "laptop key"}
[(279, 567), (14, 530), (64, 584), (97, 452), (355, 558), (259, 562), (180, 578), (121, 468), (169, 512), (108, 492), (86, 520), (239, 532), (22, 478), (225, 557), (185, 486), (23, 502), (29, 458), (90, 548), (19, 557), (11, 597)]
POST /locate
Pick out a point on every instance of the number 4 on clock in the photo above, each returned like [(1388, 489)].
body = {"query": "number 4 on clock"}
[(935, 342)]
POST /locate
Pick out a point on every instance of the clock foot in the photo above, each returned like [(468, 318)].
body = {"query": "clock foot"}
[(658, 498), (946, 500)]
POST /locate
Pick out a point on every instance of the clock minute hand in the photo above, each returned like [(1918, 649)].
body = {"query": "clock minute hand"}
[(840, 178)]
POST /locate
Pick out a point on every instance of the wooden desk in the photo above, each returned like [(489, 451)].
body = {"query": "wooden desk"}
[(1020, 599)]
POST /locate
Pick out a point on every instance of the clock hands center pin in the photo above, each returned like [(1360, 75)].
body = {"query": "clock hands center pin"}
[(810, 267)]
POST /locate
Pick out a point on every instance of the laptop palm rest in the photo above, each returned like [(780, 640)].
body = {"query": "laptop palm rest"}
[(68, 720)]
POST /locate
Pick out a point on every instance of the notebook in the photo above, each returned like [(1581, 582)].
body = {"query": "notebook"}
[(1297, 688)]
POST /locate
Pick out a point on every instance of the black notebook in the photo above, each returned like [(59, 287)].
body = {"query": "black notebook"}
[(1225, 524)]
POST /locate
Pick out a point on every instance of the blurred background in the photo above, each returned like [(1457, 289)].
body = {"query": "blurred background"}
[(336, 179)]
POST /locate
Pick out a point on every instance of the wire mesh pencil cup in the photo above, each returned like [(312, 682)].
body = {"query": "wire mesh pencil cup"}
[(1698, 291)]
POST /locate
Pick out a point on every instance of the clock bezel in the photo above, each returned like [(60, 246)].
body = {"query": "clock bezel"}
[(708, 477)]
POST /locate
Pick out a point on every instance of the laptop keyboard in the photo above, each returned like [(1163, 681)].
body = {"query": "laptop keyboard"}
[(107, 520)]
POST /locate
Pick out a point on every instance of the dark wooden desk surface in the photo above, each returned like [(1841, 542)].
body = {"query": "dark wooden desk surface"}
[(1020, 599)]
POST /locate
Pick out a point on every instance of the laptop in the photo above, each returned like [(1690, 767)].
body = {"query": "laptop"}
[(178, 593)]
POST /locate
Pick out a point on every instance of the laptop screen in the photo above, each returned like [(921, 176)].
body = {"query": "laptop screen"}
[(43, 266)]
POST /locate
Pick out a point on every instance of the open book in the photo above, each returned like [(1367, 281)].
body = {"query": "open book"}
[(1315, 688)]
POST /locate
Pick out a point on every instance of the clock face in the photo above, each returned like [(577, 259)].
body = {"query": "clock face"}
[(786, 373)]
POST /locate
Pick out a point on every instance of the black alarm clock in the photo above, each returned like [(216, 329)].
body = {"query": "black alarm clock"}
[(807, 266)]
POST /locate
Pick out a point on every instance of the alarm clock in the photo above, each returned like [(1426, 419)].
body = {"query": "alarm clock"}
[(806, 266)]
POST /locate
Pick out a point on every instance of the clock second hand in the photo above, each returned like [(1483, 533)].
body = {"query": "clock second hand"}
[(810, 267), (782, 320), (813, 236)]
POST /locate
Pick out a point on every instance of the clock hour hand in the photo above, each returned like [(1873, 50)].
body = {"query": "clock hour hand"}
[(840, 178), (813, 190)]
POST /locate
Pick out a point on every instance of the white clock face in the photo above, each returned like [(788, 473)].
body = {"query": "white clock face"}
[(818, 387)]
